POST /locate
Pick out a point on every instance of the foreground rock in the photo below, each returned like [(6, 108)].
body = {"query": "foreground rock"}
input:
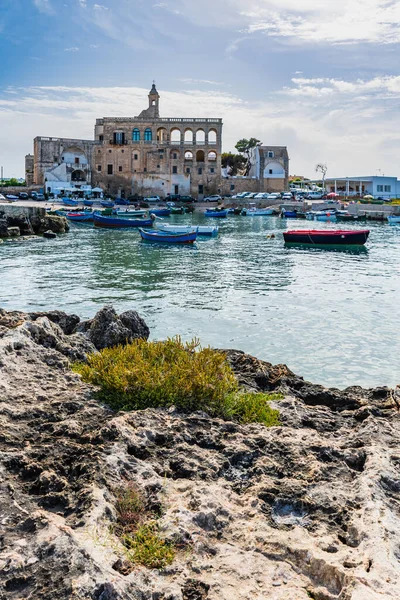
[(29, 221), (306, 510)]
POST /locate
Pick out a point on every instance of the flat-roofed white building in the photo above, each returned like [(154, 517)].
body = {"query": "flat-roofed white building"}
[(374, 185)]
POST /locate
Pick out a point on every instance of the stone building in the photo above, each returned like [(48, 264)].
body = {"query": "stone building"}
[(152, 155), (144, 155)]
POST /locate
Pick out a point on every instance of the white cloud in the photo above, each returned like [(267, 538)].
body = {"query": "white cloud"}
[(72, 49), (201, 81), (100, 7), (44, 6), (349, 129), (322, 21)]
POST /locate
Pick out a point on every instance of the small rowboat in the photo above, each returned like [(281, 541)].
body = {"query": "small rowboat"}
[(170, 238), (257, 212), (160, 212), (199, 229), (394, 219), (320, 236), (218, 214), (115, 222), (80, 216), (88, 202), (70, 202)]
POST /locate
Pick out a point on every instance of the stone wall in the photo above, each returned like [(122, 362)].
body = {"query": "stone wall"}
[(233, 185)]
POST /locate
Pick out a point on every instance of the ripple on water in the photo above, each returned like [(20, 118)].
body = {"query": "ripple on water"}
[(332, 316)]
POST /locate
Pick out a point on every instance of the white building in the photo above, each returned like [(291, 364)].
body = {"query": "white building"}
[(374, 185)]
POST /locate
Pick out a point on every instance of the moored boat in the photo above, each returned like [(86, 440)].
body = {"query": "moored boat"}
[(139, 212), (117, 222), (199, 229), (170, 238), (356, 237), (80, 216), (70, 202), (160, 212), (88, 202), (394, 219), (216, 213), (107, 203), (253, 211)]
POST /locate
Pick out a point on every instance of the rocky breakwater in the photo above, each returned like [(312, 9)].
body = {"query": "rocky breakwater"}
[(23, 220), (308, 509)]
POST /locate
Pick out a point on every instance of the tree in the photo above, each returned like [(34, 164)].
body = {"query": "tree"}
[(234, 163), (244, 146), (321, 168)]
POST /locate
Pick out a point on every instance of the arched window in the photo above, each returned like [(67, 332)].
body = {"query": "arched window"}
[(188, 155), (161, 135), (212, 156), (270, 154), (136, 135), (188, 136), (175, 136), (200, 136), (148, 135), (212, 137), (200, 155)]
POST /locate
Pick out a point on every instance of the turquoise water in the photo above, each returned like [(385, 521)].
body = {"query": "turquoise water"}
[(332, 316)]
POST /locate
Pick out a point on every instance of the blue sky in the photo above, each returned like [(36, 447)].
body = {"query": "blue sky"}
[(319, 76)]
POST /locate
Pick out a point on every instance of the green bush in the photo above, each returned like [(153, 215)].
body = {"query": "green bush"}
[(145, 547), (145, 374)]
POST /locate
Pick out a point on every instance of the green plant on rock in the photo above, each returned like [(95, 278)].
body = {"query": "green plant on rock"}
[(145, 375), (146, 547)]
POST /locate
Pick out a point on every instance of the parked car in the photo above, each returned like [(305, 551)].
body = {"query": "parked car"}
[(40, 197), (152, 199), (213, 198), (173, 197), (261, 196), (249, 196), (11, 198), (187, 199), (240, 195), (34, 195), (23, 196), (315, 196), (121, 202), (274, 196)]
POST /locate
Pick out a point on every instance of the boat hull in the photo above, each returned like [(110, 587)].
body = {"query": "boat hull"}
[(79, 217), (68, 202), (216, 214), (394, 220), (130, 213), (258, 213), (115, 222), (199, 229), (160, 212), (321, 237), (168, 238)]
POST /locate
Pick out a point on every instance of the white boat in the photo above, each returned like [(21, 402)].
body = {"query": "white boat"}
[(131, 213), (199, 229), (394, 219), (253, 211)]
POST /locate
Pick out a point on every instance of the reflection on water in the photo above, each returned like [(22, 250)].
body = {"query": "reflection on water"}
[(331, 315)]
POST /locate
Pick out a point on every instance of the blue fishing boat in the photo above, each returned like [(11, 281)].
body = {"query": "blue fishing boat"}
[(394, 219), (70, 202), (130, 212), (88, 202), (160, 212), (81, 217), (107, 203), (218, 214), (115, 222), (170, 238)]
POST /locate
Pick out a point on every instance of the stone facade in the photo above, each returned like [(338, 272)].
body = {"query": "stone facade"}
[(29, 167), (151, 155)]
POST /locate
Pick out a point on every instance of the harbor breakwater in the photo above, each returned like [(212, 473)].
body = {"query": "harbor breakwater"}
[(308, 509), (25, 220)]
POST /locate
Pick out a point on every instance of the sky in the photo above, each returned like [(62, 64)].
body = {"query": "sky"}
[(321, 77)]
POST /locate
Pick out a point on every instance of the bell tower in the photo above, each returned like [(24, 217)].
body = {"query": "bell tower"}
[(154, 101)]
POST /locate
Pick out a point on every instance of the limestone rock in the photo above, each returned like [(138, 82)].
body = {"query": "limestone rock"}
[(307, 509), (107, 329)]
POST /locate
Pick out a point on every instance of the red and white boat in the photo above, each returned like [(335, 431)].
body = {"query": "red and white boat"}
[(355, 237)]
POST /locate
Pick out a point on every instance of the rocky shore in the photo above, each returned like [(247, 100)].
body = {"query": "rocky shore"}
[(16, 221), (309, 509)]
